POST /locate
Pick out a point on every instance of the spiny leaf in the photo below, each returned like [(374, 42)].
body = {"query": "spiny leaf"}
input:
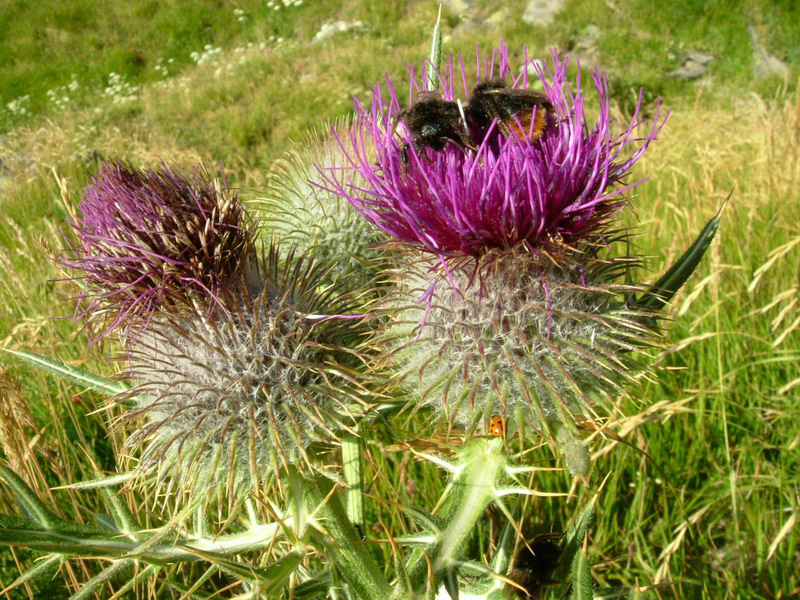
[(662, 291), (190, 592), (30, 502), (92, 587), (70, 373), (141, 575), (573, 539), (505, 548), (352, 449), (451, 583), (435, 59), (103, 482), (60, 537), (41, 570), (123, 518), (581, 578), (311, 588), (270, 579)]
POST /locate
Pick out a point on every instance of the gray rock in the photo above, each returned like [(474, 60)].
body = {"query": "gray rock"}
[(764, 63), (542, 12), (498, 17), (694, 66), (458, 8), (585, 47), (767, 65)]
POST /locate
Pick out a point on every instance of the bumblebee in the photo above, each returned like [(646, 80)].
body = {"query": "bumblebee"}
[(497, 426), (520, 112), (533, 566), (433, 122)]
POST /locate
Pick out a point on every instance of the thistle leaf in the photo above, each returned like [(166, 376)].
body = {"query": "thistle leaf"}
[(451, 583), (352, 450), (141, 575), (41, 571), (581, 578), (435, 59), (70, 373), (103, 482), (190, 592), (123, 517), (663, 290), (91, 587), (311, 588), (573, 539), (60, 537), (270, 579), (30, 502), (505, 548)]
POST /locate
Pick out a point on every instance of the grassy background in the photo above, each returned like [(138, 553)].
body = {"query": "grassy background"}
[(722, 421)]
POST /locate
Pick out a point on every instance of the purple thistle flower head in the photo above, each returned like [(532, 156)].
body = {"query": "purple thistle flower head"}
[(153, 237), (486, 190)]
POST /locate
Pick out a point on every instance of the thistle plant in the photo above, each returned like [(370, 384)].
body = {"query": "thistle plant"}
[(254, 382), (509, 300)]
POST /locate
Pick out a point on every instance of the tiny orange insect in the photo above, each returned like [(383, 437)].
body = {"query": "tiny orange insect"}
[(497, 426)]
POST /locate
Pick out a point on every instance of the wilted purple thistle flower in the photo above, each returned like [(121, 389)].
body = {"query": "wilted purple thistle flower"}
[(532, 323), (456, 201), (153, 237), (226, 399)]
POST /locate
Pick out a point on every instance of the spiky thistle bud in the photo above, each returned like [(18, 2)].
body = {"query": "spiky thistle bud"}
[(146, 238), (504, 304), (228, 398), (301, 212)]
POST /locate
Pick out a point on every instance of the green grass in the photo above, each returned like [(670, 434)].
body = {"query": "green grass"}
[(722, 433)]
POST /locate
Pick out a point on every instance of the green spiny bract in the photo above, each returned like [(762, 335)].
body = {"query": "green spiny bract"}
[(313, 219), (229, 396), (547, 337)]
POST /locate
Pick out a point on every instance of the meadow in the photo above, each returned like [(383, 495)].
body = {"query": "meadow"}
[(702, 501)]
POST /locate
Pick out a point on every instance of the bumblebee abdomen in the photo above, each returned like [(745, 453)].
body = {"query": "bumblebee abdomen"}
[(528, 125)]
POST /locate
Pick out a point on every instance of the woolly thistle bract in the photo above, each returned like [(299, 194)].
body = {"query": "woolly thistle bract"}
[(228, 398), (517, 335), (302, 213)]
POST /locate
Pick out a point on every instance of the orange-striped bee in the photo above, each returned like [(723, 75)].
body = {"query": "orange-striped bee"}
[(497, 426), (523, 112)]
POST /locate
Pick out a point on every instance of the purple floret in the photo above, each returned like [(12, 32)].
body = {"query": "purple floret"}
[(145, 238), (564, 186)]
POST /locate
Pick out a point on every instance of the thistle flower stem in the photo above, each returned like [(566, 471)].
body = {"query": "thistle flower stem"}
[(353, 474), (335, 532), (470, 494)]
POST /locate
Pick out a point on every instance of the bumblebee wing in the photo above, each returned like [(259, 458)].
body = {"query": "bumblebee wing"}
[(524, 97)]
